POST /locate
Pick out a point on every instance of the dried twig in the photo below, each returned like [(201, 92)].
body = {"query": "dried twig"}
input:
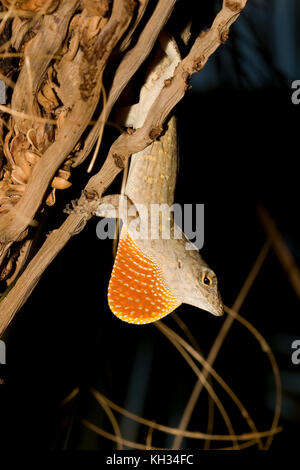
[(177, 432), (219, 341), (281, 249)]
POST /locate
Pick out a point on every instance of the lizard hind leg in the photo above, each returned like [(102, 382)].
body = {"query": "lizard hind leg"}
[(137, 291)]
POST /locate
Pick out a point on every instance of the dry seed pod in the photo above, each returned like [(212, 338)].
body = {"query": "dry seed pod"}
[(65, 174), (50, 201), (18, 146), (60, 183)]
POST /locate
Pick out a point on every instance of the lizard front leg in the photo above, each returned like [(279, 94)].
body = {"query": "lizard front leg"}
[(117, 206)]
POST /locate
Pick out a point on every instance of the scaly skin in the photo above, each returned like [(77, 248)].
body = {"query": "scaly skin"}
[(153, 276)]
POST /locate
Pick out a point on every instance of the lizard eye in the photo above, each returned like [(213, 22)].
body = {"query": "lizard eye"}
[(206, 279)]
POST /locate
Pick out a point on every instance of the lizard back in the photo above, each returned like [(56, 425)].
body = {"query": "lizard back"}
[(152, 173)]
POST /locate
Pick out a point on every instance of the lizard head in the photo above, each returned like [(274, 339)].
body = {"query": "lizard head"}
[(190, 277), (199, 285)]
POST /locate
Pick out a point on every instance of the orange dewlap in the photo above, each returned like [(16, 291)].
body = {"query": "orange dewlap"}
[(137, 292)]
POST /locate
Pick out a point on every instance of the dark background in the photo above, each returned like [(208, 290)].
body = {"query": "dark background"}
[(238, 139)]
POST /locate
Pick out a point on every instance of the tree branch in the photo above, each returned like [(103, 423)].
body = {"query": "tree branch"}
[(118, 155), (17, 219)]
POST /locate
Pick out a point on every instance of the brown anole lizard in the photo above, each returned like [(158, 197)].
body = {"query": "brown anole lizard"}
[(152, 275)]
